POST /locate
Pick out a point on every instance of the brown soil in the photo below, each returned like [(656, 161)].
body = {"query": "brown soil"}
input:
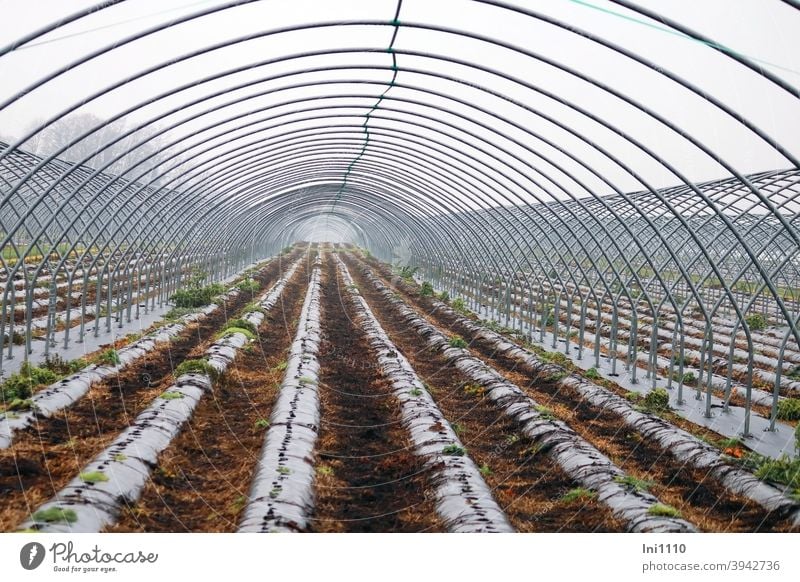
[(699, 498), (203, 478), (46, 456), (368, 477), (527, 484)]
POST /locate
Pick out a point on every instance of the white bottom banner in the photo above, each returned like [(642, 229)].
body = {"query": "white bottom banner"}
[(380, 557)]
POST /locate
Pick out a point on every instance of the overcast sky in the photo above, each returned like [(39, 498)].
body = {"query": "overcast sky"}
[(764, 30)]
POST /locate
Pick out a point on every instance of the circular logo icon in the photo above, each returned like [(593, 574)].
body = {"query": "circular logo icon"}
[(31, 555)]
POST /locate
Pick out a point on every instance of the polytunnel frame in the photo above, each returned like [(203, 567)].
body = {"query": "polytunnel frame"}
[(755, 263)]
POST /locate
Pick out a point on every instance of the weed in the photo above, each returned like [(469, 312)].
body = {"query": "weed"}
[(196, 296), (407, 272), (512, 438), (171, 395), (789, 409), (459, 305), (284, 470), (756, 322), (178, 312), (55, 363), (119, 457), (20, 404), (556, 377), (592, 374), (454, 450), (281, 367), (426, 289), (241, 323), (55, 515), (578, 494), (199, 366), (474, 390), (22, 384), (485, 470), (325, 470), (248, 286), (232, 330), (545, 413), (457, 342), (657, 400), (109, 357), (415, 392), (555, 358), (633, 482), (261, 424), (92, 477), (663, 510), (444, 297), (783, 470), (458, 428)]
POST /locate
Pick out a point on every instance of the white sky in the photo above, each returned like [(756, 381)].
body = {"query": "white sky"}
[(765, 30)]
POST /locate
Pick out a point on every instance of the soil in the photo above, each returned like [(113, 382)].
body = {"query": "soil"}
[(700, 499), (45, 457), (528, 485), (203, 478), (368, 477)]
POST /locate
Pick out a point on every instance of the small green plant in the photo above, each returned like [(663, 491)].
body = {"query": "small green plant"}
[(325, 470), (578, 494), (55, 515), (756, 322), (458, 428), (19, 404), (415, 392), (199, 366), (284, 470), (248, 286), (444, 297), (512, 439), (485, 470), (474, 390), (22, 384), (426, 289), (55, 363), (261, 424), (281, 366), (454, 450), (178, 312), (789, 409), (783, 470), (196, 296), (663, 510), (407, 272), (592, 374), (657, 399), (171, 395), (92, 477), (109, 357), (555, 358), (634, 483), (241, 323), (459, 305), (689, 378), (119, 457), (545, 412), (457, 342), (232, 330)]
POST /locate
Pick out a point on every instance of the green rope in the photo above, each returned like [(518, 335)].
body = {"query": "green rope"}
[(367, 116)]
